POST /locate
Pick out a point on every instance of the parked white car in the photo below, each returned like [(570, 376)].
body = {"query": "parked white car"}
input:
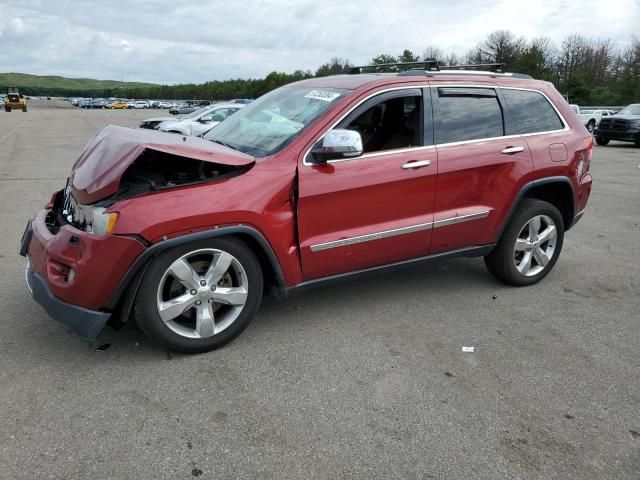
[(591, 117), (201, 120), (154, 122), (140, 104)]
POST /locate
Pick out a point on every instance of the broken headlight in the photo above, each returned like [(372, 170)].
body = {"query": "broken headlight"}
[(103, 222), (86, 217)]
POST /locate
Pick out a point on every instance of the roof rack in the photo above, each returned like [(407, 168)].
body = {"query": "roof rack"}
[(431, 65), (492, 67)]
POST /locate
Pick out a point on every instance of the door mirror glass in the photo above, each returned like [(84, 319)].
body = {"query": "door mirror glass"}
[(338, 144)]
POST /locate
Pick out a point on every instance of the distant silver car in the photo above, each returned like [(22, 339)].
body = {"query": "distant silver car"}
[(201, 120)]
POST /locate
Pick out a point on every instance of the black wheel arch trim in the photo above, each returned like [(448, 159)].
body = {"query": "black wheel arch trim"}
[(536, 183), (137, 268)]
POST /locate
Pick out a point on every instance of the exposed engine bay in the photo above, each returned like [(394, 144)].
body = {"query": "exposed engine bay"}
[(152, 171)]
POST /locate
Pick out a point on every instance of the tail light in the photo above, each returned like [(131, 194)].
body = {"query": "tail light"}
[(583, 157)]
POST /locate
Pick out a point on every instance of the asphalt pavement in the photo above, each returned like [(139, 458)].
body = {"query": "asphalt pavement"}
[(362, 380)]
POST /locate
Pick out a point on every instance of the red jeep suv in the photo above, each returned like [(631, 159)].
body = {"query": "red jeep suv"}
[(314, 181)]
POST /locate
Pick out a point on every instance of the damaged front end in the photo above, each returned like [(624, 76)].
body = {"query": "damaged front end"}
[(121, 163), (76, 257)]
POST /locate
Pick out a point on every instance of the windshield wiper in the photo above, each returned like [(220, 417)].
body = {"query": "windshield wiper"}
[(220, 142)]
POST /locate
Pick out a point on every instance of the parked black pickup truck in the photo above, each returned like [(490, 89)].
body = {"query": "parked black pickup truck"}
[(623, 126)]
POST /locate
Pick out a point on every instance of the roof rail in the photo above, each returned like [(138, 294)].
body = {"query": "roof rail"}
[(430, 64), (492, 67)]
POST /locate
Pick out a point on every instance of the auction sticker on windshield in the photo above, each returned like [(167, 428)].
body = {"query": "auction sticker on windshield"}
[(322, 95)]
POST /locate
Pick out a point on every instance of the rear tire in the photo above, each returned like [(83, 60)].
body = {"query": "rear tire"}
[(530, 244), (7, 109), (217, 295), (602, 141), (24, 109)]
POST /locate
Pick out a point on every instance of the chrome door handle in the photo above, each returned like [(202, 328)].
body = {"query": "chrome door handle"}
[(512, 150), (421, 163)]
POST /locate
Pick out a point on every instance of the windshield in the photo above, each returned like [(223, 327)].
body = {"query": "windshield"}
[(268, 124), (633, 109)]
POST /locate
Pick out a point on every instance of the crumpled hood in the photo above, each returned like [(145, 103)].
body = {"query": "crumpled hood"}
[(97, 171)]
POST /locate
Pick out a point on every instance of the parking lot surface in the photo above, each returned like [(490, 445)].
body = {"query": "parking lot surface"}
[(361, 380)]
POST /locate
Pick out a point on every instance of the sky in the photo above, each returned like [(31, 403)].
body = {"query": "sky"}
[(177, 41)]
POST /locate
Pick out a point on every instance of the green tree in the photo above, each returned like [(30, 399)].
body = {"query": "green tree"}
[(578, 90), (335, 66)]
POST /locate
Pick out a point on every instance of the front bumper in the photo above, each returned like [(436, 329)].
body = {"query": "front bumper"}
[(81, 300), (631, 135), (86, 323)]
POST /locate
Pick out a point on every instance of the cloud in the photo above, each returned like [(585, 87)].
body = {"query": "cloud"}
[(175, 41), (17, 25)]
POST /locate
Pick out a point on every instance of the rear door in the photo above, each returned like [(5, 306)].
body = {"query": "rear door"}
[(480, 166), (377, 208), (546, 133)]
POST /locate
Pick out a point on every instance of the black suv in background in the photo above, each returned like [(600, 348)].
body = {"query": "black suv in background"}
[(623, 126)]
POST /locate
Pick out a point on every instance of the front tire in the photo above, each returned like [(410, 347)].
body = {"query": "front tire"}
[(198, 297), (530, 245), (602, 141)]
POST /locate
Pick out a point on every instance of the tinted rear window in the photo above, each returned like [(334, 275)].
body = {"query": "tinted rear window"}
[(468, 114), (531, 112)]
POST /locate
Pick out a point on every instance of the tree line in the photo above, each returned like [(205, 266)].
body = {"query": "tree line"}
[(586, 71)]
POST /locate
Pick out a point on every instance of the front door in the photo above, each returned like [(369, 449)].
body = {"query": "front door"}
[(375, 209)]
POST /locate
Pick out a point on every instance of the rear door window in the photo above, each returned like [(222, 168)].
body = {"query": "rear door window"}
[(530, 112), (468, 114)]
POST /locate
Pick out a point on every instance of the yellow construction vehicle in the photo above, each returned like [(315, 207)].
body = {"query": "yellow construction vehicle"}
[(14, 100)]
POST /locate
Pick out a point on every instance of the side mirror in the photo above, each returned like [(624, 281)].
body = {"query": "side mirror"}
[(338, 144)]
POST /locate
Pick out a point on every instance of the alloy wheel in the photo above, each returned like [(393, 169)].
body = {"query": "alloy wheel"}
[(535, 245), (202, 293)]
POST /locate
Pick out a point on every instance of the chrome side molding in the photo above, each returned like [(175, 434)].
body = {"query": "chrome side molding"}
[(398, 231)]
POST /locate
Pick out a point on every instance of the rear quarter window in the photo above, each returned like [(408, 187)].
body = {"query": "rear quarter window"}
[(531, 112)]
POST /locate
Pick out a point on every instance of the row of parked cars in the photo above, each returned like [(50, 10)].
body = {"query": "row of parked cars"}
[(120, 104)]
